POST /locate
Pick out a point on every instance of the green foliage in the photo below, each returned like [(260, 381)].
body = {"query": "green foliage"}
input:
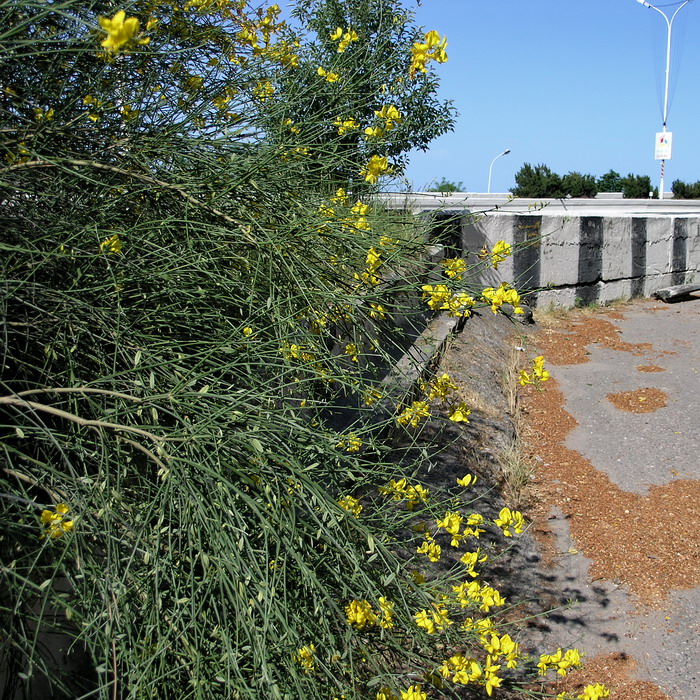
[(683, 190), (200, 302), (372, 74), (637, 187), (610, 182), (577, 185), (446, 186), (538, 181)]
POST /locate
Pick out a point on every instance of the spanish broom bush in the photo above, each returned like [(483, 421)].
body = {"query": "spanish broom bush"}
[(203, 492)]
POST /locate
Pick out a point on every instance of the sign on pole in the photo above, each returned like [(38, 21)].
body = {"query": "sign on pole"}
[(663, 145)]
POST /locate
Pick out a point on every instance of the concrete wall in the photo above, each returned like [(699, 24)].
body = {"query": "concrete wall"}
[(572, 252)]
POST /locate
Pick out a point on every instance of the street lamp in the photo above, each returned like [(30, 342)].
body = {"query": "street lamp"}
[(505, 153), (669, 24)]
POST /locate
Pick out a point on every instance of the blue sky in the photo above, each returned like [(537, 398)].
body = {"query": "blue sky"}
[(574, 84)]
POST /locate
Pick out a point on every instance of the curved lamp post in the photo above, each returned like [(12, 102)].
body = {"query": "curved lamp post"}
[(505, 153), (669, 24)]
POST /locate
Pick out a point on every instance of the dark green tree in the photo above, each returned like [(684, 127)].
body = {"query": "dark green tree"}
[(579, 185), (539, 181), (636, 186), (447, 186), (684, 190), (610, 182)]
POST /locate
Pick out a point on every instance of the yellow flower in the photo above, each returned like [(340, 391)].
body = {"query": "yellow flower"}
[(454, 267), (431, 49), (337, 34), (374, 132), (467, 480), (120, 31), (350, 444), (55, 521), (414, 692), (385, 693), (345, 125), (594, 692), (508, 519), (360, 614), (305, 657), (501, 250), (247, 331), (352, 350), (431, 549), (112, 245), (352, 505), (413, 414), (375, 168), (330, 77), (459, 413)]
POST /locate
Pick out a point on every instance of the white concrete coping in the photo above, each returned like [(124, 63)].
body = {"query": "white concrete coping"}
[(495, 203)]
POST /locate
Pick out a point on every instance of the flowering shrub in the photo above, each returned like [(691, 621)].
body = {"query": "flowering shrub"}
[(199, 489)]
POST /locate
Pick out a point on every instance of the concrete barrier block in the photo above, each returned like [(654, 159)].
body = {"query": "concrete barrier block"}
[(556, 298), (560, 248), (658, 252), (615, 290), (694, 245), (617, 249)]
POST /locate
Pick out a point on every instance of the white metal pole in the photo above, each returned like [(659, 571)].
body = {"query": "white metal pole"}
[(505, 153), (669, 25)]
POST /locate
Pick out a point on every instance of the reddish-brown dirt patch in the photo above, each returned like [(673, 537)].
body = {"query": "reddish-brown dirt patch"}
[(648, 542), (650, 368), (567, 344), (639, 400), (614, 671)]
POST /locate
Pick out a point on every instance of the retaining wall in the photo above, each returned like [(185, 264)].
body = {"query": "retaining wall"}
[(580, 251)]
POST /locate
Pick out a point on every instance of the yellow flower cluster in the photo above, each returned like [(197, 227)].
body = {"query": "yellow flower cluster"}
[(401, 490), (501, 251), (441, 388), (112, 245), (440, 298), (431, 49), (390, 116), (373, 263), (454, 267), (353, 351), (413, 414), (471, 559), (329, 76), (435, 620), (503, 647), (345, 125), (432, 550), (56, 522), (120, 31), (306, 658), (375, 168), (594, 692), (361, 615), (352, 505), (563, 662), (504, 294), (472, 593), (510, 519), (345, 38), (539, 373), (351, 443), (465, 670)]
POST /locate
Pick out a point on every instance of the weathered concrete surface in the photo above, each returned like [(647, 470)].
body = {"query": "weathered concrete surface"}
[(575, 251)]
